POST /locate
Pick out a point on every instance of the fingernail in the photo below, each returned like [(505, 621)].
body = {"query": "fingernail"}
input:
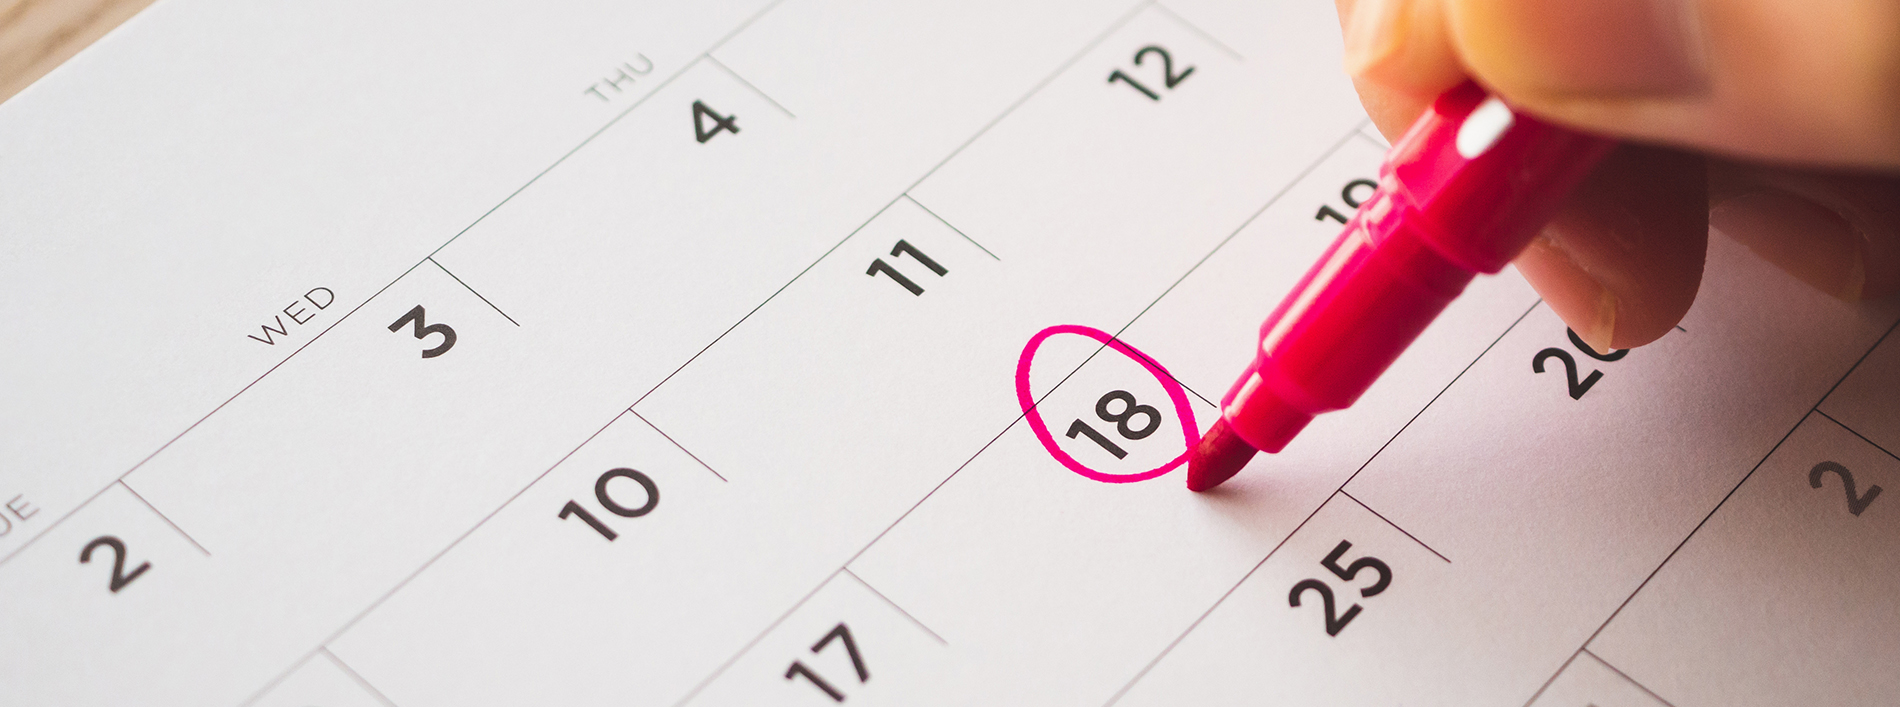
[(1805, 239), (1373, 33), (1602, 327), (1611, 47)]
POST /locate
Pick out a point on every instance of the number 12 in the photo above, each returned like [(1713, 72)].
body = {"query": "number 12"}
[(1168, 77)]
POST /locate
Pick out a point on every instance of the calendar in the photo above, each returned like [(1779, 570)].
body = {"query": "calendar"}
[(814, 352)]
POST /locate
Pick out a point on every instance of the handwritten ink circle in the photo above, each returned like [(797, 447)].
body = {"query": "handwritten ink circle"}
[(1176, 394)]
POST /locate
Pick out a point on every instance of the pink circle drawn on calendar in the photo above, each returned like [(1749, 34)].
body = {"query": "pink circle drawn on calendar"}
[(1176, 394)]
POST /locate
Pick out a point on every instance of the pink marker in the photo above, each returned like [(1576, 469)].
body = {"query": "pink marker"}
[(1462, 193)]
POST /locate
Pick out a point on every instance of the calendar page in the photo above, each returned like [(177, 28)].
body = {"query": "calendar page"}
[(805, 352)]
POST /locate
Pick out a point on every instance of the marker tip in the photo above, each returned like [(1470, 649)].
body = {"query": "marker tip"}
[(1217, 457)]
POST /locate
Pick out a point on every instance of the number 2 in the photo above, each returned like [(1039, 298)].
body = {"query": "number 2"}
[(1335, 622), (1855, 504), (119, 577), (1577, 387)]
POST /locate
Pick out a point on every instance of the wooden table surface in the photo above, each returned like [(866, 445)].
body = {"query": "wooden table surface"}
[(37, 35)]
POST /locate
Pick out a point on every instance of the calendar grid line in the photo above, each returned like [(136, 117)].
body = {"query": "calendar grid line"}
[(360, 680), (272, 684), (1863, 438), (1033, 90), (194, 425), (748, 84), (424, 567), (690, 694), (1441, 392), (1196, 623), (979, 452), (768, 300), (676, 445), (1672, 553), (1619, 672), (1204, 34), (471, 290), (1561, 667), (867, 585), (743, 26), (845, 566), (1815, 408), (1316, 509), (161, 516), (946, 223), (1395, 526), (1368, 138), (611, 122)]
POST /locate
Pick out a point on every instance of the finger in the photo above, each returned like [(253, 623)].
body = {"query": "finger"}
[(1780, 80), (1623, 258), (1400, 56), (1839, 232)]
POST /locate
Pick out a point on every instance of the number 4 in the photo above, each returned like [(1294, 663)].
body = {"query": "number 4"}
[(720, 122)]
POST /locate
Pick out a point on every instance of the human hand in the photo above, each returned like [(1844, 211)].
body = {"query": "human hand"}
[(1777, 122)]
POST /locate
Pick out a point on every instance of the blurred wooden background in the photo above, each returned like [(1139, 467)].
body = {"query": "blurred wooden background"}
[(37, 35)]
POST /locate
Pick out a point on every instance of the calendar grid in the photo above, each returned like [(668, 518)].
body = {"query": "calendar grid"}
[(323, 646), (947, 224), (1619, 673), (430, 258), (1395, 526), (900, 609), (1863, 438), (471, 290), (358, 679), (1203, 34), (905, 194), (1348, 136), (748, 84), (161, 516), (1812, 410), (384, 513), (1123, 691)]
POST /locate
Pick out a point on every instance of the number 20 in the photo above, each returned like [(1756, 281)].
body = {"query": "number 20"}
[(1577, 386)]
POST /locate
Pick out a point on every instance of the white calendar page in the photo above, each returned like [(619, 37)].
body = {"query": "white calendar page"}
[(801, 352)]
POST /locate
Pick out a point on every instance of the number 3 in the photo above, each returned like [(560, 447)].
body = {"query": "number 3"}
[(423, 331)]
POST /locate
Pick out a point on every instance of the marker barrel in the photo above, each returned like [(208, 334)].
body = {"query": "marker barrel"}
[(1461, 194)]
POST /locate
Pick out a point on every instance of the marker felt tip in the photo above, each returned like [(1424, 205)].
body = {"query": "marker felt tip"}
[(1462, 193)]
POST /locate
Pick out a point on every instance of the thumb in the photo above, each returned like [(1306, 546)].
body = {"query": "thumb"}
[(1775, 80)]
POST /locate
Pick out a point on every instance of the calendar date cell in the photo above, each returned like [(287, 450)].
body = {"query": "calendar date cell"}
[(845, 644), (1715, 626)]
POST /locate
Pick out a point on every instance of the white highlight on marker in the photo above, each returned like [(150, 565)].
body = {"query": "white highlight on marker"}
[(1483, 127)]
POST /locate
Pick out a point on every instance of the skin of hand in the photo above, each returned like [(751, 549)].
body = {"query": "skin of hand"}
[(1775, 122)]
